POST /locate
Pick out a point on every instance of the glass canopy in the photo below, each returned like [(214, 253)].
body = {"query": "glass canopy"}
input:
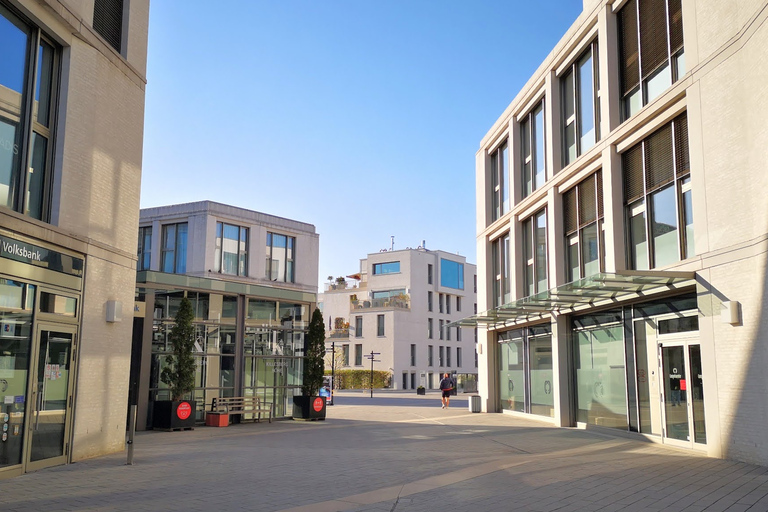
[(593, 291)]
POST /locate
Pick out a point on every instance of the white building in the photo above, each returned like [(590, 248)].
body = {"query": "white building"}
[(623, 229), (399, 305)]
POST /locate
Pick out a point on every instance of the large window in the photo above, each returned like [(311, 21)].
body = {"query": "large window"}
[(281, 253), (231, 256), (145, 247), (28, 82), (583, 223), (379, 325), (657, 197), (359, 354), (535, 251), (174, 250), (358, 327), (429, 328), (500, 181), (581, 106), (345, 355), (392, 267), (413, 354), (651, 55), (451, 274), (429, 301), (532, 150), (502, 292), (525, 370)]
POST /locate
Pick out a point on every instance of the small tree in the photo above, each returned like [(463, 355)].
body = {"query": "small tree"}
[(179, 372), (314, 352)]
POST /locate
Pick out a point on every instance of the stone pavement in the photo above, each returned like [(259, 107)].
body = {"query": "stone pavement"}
[(396, 452)]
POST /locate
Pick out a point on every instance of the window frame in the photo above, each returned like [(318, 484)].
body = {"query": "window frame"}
[(529, 146), (575, 237), (500, 188), (290, 263), (243, 236), (176, 269), (576, 118), (380, 328), (144, 249), (530, 254)]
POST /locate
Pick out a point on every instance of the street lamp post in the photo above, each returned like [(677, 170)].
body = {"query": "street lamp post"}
[(333, 368), (372, 356)]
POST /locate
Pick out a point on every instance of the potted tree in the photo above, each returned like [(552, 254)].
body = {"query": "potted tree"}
[(179, 374), (309, 405)]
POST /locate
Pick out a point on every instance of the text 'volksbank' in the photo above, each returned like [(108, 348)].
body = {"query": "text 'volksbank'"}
[(21, 251)]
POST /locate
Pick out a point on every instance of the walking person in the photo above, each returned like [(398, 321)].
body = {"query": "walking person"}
[(446, 386)]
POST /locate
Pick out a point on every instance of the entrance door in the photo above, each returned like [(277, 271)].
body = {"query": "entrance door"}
[(50, 401), (682, 393)]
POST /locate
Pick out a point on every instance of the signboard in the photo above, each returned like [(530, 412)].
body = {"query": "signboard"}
[(40, 257), (317, 404), (183, 410)]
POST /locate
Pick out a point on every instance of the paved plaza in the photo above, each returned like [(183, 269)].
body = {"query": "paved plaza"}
[(395, 452)]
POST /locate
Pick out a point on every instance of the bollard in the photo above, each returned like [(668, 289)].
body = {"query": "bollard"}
[(131, 433)]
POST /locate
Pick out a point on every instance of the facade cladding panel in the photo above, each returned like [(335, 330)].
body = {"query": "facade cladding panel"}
[(74, 234), (670, 188)]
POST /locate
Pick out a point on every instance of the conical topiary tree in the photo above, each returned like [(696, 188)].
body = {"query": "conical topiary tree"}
[(179, 372), (314, 354)]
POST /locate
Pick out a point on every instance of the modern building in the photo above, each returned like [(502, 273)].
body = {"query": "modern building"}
[(72, 80), (398, 306), (622, 229), (252, 279)]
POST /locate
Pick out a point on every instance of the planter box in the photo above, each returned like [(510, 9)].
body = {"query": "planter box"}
[(421, 391), (217, 419), (173, 415), (309, 408)]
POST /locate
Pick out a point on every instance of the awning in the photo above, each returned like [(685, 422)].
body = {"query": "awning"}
[(594, 291)]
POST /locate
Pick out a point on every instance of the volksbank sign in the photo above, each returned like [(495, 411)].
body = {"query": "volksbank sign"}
[(40, 257)]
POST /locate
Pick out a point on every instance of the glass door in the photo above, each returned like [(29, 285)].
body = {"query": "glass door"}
[(682, 394), (50, 403)]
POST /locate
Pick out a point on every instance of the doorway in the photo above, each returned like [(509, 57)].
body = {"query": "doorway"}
[(49, 407), (682, 393)]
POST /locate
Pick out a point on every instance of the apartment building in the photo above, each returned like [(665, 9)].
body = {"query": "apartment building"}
[(252, 279), (622, 229), (72, 80), (399, 306)]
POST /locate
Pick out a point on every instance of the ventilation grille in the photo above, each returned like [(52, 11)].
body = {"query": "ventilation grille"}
[(108, 21)]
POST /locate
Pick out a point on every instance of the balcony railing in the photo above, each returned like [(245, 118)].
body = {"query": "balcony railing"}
[(332, 287), (400, 302), (339, 333)]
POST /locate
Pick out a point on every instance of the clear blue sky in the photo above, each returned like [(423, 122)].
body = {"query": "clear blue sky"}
[(360, 117)]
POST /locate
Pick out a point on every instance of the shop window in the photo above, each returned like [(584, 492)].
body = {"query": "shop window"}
[(583, 226), (28, 88)]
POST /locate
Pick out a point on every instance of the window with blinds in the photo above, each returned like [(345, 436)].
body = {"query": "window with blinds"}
[(108, 21), (583, 222), (657, 196), (651, 50)]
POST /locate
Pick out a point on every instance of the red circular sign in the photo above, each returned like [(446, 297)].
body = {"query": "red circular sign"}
[(318, 404), (183, 410)]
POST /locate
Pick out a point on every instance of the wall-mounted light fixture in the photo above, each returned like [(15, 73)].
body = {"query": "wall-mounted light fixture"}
[(730, 314), (114, 311)]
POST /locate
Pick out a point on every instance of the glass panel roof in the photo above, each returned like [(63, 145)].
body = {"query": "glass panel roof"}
[(595, 290)]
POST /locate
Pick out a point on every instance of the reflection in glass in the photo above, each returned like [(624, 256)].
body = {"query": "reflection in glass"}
[(511, 373), (541, 252), (36, 177), (590, 251), (573, 262), (664, 227), (541, 378), (451, 274), (44, 83), (538, 158), (50, 411), (675, 393), (643, 378), (697, 395), (690, 247), (586, 103), (658, 83), (600, 380), (638, 244)]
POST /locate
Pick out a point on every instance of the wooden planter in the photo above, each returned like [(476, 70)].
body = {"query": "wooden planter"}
[(217, 419)]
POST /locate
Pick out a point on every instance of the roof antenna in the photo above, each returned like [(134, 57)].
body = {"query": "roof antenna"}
[(392, 243)]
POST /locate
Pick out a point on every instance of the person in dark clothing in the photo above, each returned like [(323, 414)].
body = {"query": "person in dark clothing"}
[(446, 386)]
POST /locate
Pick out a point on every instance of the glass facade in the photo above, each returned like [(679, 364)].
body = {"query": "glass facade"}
[(271, 354), (392, 267), (173, 256), (231, 252), (451, 274), (526, 377)]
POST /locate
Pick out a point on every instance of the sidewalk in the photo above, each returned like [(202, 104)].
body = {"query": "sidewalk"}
[(392, 454)]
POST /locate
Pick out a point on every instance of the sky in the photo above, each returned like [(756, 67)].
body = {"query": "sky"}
[(361, 117)]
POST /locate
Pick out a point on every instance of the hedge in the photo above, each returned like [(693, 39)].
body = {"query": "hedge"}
[(360, 379)]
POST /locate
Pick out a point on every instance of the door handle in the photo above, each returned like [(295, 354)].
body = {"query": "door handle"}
[(38, 407)]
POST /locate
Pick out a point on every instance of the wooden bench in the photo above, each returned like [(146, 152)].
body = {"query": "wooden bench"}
[(242, 405)]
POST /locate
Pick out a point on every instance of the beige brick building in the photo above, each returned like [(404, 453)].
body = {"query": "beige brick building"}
[(72, 81), (622, 229)]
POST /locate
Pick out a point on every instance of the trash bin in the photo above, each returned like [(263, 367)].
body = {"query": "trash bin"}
[(474, 403)]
